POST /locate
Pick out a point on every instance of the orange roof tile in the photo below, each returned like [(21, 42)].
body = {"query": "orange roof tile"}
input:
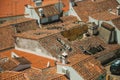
[(116, 22), (97, 6), (88, 67), (105, 15), (6, 37), (48, 2), (66, 5), (36, 61), (37, 34), (13, 7), (65, 2), (11, 75)]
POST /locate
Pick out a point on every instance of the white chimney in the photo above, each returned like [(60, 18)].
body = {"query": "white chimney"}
[(64, 58), (40, 11), (118, 10)]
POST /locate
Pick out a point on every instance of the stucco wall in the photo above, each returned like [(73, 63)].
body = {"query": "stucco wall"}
[(31, 13), (32, 46), (49, 19), (104, 34), (118, 35), (73, 74), (73, 12), (109, 22)]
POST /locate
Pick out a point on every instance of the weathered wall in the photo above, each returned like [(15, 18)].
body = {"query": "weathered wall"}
[(32, 46), (104, 34), (49, 19)]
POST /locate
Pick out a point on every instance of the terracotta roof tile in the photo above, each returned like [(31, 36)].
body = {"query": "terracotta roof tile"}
[(45, 74), (48, 2), (116, 22), (88, 67), (65, 2), (108, 26), (16, 21), (6, 37), (48, 11), (65, 23), (84, 11), (13, 7), (36, 61), (53, 45), (33, 73), (105, 15), (51, 74), (95, 41), (37, 34), (8, 61), (11, 75)]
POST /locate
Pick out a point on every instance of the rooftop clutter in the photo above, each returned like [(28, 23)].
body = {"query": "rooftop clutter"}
[(63, 48)]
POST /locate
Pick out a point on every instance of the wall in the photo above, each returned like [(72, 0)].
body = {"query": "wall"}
[(31, 13), (44, 20), (73, 74), (31, 46), (55, 17), (118, 35), (72, 12), (104, 34), (117, 38), (49, 19)]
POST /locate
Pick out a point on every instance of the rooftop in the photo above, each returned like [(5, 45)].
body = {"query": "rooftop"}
[(48, 10), (105, 15), (37, 34), (12, 75), (94, 41), (56, 44), (13, 7), (93, 7), (65, 2), (36, 61), (6, 37), (15, 21), (116, 22), (86, 66), (65, 23)]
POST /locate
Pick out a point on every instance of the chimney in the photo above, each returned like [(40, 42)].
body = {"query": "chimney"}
[(118, 10), (40, 11), (64, 58)]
